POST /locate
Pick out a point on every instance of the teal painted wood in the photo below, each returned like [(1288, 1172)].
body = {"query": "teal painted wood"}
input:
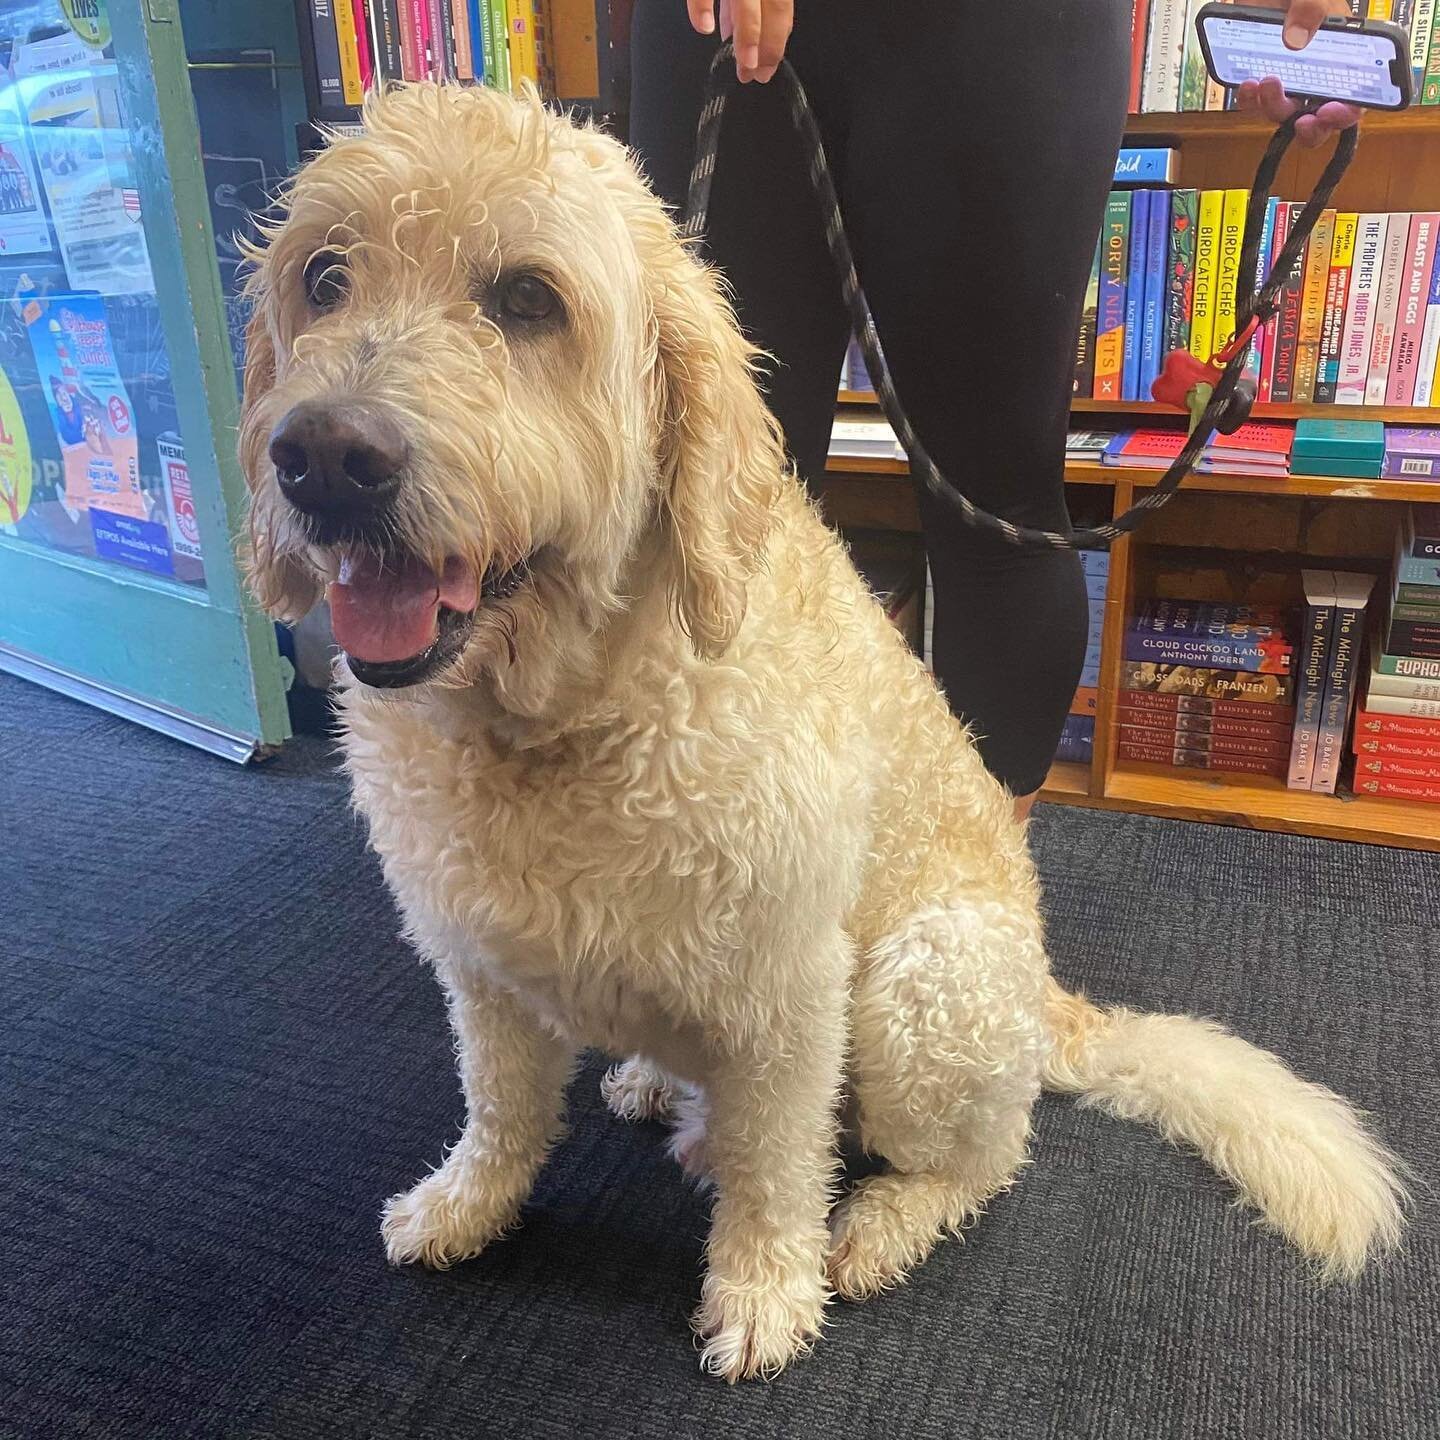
[(209, 655)]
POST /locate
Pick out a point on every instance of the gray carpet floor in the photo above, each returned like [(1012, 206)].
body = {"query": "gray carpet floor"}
[(218, 1059)]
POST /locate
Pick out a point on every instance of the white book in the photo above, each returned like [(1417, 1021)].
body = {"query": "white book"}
[(863, 437), (1164, 55), (1360, 310), (1389, 283)]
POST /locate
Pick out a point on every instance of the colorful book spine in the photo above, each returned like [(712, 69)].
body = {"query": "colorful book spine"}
[(1274, 714), (412, 56), (1083, 381), (1312, 307), (1157, 293), (325, 39), (1396, 748), (437, 45), (1276, 738), (1360, 310), (1184, 206), (1207, 254), (362, 44), (1408, 667), (1110, 322), (1407, 685), (1287, 331), (1430, 87), (1139, 29), (349, 51), (1135, 291), (1337, 295), (1216, 741), (1414, 295), (1399, 767), (1227, 274), (1206, 682), (1341, 672), (1164, 55), (464, 44), (1261, 347), (1398, 707), (1420, 28), (1388, 284), (500, 27), (1426, 389), (523, 65), (1232, 637), (1135, 749), (1193, 73), (1310, 682), (1398, 789), (389, 59)]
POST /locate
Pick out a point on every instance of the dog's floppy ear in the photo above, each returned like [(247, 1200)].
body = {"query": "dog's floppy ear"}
[(721, 458)]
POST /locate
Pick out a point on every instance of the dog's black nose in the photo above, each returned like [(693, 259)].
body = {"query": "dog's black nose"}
[(338, 460)]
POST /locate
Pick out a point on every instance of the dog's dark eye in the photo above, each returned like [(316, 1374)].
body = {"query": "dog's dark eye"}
[(528, 298), (326, 279)]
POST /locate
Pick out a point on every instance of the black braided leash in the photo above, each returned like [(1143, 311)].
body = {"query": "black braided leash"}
[(1226, 410)]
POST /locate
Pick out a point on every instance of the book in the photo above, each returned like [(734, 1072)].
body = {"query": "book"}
[(1200, 759), (1232, 637), (1360, 310), (1272, 713), (1430, 84), (1110, 319), (1164, 55), (1410, 322), (1408, 666), (1398, 789), (325, 41), (389, 58), (1204, 741), (1390, 280), (1312, 307), (1139, 30), (1263, 339), (1145, 165), (1202, 722), (464, 44), (500, 29), (347, 40), (1145, 449), (1207, 681), (1413, 637), (1409, 687), (1287, 331), (1181, 275), (1428, 361), (1397, 747), (1399, 767), (1083, 380), (523, 66), (1193, 74), (1135, 292), (1411, 452), (361, 23), (1352, 593), (1154, 311), (1255, 443), (1227, 265), (1210, 211), (1421, 22), (1337, 294), (1397, 724), (1315, 633), (412, 60)]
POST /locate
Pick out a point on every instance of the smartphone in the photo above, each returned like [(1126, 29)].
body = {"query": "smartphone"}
[(1365, 62)]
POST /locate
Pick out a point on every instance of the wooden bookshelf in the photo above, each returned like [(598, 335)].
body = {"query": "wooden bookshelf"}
[(1230, 125)]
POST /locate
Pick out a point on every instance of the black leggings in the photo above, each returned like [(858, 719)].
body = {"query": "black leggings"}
[(973, 144)]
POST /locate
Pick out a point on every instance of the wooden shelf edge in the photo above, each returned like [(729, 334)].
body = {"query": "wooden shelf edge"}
[(1235, 124), (1327, 487)]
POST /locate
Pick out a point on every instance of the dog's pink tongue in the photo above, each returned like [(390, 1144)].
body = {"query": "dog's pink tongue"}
[(389, 609)]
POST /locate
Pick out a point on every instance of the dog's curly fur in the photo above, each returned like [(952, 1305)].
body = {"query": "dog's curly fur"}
[(686, 796)]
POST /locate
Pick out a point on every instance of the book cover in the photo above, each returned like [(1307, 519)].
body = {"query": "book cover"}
[(1426, 390), (389, 58), (464, 42), (412, 55), (1207, 682), (1261, 345), (1164, 55), (1414, 295), (1139, 30), (1398, 725), (1312, 306), (1389, 282), (329, 80), (439, 40), (1154, 311), (1110, 318), (520, 15), (1287, 330), (1200, 759), (1202, 722), (1216, 742), (1420, 28), (1232, 637), (1227, 265), (1406, 666), (1083, 380), (1337, 296), (362, 45), (1360, 310), (1352, 592), (1394, 789), (1184, 206), (500, 78), (1271, 714), (1315, 635), (1135, 292), (1411, 687), (480, 44), (1397, 747), (1210, 212), (349, 51)]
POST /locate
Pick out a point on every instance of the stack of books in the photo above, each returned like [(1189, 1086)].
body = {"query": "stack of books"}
[(1332, 632), (1359, 320), (1077, 740), (1208, 686), (1254, 449), (1412, 452), (1167, 70), (865, 439), (1397, 731)]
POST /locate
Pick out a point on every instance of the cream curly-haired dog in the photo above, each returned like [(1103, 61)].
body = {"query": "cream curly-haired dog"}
[(647, 768)]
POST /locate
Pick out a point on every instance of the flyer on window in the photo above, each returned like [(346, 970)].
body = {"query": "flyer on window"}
[(24, 230)]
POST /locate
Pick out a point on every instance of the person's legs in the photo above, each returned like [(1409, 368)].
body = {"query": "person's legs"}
[(765, 231), (982, 141)]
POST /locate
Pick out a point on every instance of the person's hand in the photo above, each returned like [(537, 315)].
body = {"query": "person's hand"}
[(760, 29), (1302, 19)]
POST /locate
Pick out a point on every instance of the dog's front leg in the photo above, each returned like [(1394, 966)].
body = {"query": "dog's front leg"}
[(770, 1148), (513, 1073)]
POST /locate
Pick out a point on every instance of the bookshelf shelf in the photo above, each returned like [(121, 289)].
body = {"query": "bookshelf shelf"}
[(1235, 125), (1067, 780)]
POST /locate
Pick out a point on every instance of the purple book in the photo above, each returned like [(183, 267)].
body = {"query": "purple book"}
[(1412, 452)]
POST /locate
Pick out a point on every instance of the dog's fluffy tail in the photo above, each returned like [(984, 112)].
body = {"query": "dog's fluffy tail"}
[(1297, 1152)]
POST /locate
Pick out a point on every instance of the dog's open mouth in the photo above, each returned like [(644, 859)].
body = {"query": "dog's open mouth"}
[(400, 622)]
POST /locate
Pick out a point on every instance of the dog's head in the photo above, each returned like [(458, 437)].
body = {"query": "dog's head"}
[(484, 379)]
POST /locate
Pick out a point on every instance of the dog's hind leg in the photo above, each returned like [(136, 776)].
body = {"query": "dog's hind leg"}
[(638, 1089), (949, 1038), (513, 1073)]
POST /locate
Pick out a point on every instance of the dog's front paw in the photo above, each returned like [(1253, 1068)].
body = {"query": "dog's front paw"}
[(755, 1331), (637, 1090), (446, 1218)]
